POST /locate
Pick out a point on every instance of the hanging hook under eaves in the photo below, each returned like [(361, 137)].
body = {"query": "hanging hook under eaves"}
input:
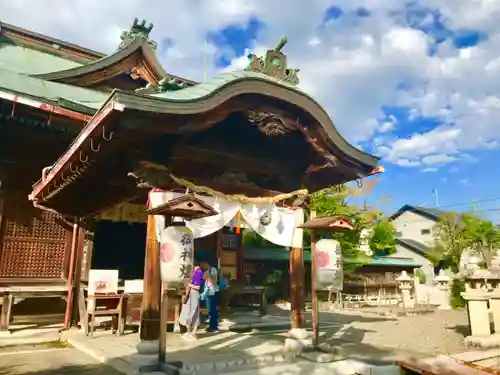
[(108, 137), (65, 180), (92, 146), (71, 168), (83, 160)]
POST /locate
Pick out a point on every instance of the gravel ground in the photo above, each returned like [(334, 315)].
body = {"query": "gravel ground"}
[(373, 329), (439, 332)]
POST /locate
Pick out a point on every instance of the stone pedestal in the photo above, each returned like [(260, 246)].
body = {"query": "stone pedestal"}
[(477, 308), (443, 283), (495, 310), (146, 347), (481, 289), (298, 340), (405, 285)]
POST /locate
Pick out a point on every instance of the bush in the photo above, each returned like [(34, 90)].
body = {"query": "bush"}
[(421, 276), (457, 287)]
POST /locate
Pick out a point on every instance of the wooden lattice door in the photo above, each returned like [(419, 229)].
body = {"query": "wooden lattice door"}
[(33, 244)]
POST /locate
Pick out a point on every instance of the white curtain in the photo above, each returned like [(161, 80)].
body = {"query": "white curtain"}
[(276, 224), (201, 227)]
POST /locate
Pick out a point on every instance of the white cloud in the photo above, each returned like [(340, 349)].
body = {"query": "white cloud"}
[(438, 159), (314, 41), (407, 163), (350, 66), (430, 170)]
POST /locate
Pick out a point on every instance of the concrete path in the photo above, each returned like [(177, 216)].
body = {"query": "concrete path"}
[(49, 360), (346, 367)]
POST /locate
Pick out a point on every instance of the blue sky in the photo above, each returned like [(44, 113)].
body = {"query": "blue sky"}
[(456, 187), (415, 82)]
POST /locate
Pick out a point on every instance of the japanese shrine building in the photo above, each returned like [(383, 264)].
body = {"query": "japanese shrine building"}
[(74, 123)]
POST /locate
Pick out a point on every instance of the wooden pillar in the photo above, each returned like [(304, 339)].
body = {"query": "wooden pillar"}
[(2, 221), (71, 275), (314, 290), (297, 286), (240, 259), (151, 299), (80, 243)]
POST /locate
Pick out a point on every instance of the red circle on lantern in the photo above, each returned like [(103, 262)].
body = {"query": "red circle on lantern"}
[(167, 252), (322, 259)]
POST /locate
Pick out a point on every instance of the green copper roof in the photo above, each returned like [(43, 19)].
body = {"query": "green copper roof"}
[(211, 85), (29, 61), (51, 91)]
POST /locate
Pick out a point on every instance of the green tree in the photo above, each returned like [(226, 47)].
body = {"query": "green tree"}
[(450, 241), (482, 236), (455, 233), (333, 201), (253, 239), (383, 238)]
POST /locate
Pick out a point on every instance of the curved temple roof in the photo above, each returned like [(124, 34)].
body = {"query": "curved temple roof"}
[(199, 98), (267, 77), (208, 95), (126, 59)]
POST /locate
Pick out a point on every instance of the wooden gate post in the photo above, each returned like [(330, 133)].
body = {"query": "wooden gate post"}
[(151, 300), (297, 286)]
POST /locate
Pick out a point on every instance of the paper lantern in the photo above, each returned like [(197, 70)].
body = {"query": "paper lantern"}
[(176, 255), (329, 273)]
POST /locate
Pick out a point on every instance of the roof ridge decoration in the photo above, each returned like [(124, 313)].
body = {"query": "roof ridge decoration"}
[(274, 64), (167, 83), (137, 30)]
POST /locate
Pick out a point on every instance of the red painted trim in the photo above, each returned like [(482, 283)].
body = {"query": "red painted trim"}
[(43, 106), (75, 146), (65, 112), (377, 170)]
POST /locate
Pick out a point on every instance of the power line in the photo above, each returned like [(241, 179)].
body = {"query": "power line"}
[(425, 220)]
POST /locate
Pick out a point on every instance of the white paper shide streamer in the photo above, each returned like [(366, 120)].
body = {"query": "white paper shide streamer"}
[(176, 254), (329, 275)]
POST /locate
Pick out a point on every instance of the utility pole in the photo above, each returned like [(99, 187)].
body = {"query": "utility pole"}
[(473, 203), (436, 197), (205, 64)]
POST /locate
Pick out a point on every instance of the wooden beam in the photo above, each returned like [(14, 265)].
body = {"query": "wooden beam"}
[(150, 308), (84, 200), (213, 157), (297, 286), (151, 178)]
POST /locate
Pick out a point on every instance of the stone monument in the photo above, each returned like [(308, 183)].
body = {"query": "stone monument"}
[(443, 284), (482, 294), (405, 285)]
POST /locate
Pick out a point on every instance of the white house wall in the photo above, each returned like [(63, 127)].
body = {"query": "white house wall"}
[(410, 225), (427, 267)]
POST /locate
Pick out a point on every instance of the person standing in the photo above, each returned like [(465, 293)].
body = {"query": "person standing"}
[(208, 295), (189, 318), (213, 300)]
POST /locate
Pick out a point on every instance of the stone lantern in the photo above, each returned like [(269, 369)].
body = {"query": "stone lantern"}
[(443, 284), (405, 285), (478, 294)]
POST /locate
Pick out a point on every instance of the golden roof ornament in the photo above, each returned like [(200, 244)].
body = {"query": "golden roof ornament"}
[(274, 64)]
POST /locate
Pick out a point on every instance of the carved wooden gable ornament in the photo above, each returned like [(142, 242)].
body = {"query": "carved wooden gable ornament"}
[(274, 64)]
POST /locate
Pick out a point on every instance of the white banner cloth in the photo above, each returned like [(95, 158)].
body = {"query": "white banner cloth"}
[(276, 224)]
